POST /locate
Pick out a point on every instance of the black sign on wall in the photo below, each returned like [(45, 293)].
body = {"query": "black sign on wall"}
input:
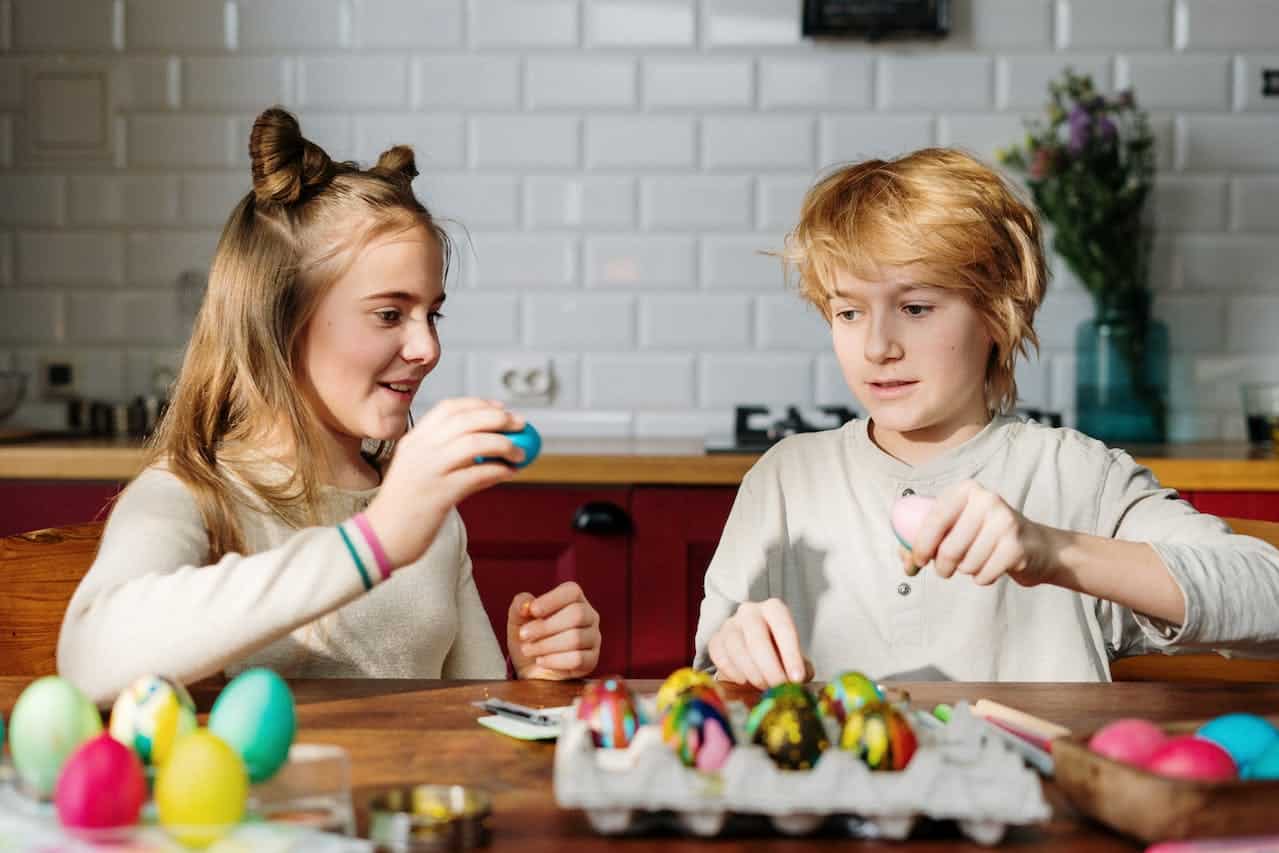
[(876, 19)]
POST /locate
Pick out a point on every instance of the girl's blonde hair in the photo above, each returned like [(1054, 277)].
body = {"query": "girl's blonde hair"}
[(286, 242), (950, 219)]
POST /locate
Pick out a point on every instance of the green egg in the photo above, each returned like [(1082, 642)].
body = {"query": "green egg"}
[(52, 717), (256, 716)]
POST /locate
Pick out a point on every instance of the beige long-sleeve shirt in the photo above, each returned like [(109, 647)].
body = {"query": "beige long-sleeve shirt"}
[(294, 601), (811, 526)]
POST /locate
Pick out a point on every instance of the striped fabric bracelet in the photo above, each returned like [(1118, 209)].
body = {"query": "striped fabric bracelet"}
[(375, 545), (355, 555)]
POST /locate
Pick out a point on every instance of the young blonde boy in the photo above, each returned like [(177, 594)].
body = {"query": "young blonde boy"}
[(1050, 553)]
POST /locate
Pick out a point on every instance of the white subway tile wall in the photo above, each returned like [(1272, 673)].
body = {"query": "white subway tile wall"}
[(617, 173)]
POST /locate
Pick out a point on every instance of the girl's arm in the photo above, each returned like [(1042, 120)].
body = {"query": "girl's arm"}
[(475, 652), (150, 604)]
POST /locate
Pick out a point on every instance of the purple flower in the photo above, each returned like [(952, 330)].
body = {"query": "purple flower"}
[(1080, 122)]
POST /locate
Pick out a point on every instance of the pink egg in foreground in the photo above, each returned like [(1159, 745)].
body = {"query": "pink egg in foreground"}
[(100, 788), (907, 516), (1131, 741), (1190, 757)]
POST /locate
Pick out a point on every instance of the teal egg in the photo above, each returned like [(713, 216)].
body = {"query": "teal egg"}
[(527, 439), (51, 718), (1244, 736), (256, 716), (1264, 766)]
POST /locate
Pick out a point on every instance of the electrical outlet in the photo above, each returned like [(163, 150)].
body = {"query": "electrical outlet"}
[(57, 379), (1270, 82), (525, 381)]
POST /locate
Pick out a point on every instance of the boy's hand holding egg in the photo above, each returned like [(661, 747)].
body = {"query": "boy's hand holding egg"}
[(554, 636), (434, 469), (970, 530)]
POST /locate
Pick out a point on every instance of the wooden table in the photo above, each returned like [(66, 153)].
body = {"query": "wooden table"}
[(400, 732)]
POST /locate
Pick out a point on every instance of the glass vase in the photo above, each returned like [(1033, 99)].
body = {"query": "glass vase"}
[(1121, 378)]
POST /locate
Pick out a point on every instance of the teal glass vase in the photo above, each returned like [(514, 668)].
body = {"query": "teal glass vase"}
[(1121, 377)]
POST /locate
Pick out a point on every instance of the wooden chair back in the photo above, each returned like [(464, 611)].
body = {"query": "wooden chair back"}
[(38, 573)]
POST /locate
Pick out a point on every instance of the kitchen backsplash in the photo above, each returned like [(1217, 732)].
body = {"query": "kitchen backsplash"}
[(619, 167)]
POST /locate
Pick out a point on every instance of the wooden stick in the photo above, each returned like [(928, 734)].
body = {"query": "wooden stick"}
[(1019, 719)]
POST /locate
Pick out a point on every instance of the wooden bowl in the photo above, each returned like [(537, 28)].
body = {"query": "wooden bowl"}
[(1156, 808)]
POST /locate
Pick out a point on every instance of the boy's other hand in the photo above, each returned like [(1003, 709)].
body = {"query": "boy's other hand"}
[(555, 636), (973, 531), (758, 645)]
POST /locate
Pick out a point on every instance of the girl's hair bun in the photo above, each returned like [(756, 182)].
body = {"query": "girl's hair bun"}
[(398, 161), (287, 166)]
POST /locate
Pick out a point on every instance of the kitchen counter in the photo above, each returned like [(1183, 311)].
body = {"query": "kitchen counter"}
[(1207, 466)]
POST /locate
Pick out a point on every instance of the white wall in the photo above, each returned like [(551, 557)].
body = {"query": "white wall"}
[(618, 164)]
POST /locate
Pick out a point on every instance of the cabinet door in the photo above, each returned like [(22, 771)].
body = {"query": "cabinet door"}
[(523, 539), (27, 505), (676, 533), (1263, 506)]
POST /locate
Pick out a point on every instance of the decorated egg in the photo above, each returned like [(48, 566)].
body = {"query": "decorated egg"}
[(51, 718), (610, 710), (907, 515), (150, 714), (1264, 766), (792, 734), (786, 694), (880, 735), (201, 790), (1191, 757), (1244, 736), (1129, 740), (527, 439), (679, 681), (846, 693), (101, 788), (698, 730), (256, 716)]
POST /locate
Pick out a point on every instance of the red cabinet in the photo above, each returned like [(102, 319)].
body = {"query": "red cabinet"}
[(676, 532), (32, 504), (532, 538)]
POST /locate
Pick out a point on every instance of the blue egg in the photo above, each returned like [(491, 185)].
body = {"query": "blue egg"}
[(256, 716), (527, 439), (1244, 736), (1264, 766)]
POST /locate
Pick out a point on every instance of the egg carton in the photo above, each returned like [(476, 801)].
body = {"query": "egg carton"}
[(960, 772)]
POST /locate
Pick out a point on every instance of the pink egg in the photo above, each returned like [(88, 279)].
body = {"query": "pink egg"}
[(907, 516), (1131, 741), (101, 788), (1190, 757)]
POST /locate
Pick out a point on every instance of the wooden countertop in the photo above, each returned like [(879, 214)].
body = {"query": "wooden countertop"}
[(1215, 466)]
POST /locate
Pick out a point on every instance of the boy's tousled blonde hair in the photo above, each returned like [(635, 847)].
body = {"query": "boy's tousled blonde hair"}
[(954, 222), (294, 234)]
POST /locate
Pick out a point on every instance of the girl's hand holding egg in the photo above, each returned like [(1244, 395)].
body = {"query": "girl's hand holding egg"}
[(970, 530), (435, 468)]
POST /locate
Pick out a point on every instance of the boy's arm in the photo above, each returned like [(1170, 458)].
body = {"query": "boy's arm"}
[(738, 572), (1229, 584)]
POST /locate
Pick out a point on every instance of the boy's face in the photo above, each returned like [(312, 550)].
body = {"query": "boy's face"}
[(373, 338), (913, 355)]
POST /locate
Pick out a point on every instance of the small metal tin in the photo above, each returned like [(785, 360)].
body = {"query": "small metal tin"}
[(430, 817)]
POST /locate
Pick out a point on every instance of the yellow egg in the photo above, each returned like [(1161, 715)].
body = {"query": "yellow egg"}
[(201, 791)]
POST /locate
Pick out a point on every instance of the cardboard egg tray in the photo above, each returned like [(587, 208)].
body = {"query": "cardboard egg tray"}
[(959, 772)]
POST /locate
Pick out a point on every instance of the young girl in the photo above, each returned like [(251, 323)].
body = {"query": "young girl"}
[(264, 532), (1051, 554)]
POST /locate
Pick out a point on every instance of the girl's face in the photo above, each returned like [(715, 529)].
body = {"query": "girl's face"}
[(915, 358), (373, 338)]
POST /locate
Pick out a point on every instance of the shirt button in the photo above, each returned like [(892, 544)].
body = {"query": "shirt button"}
[(907, 492), (903, 588)]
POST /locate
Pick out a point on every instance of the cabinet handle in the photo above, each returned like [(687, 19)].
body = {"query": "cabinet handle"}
[(601, 517)]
